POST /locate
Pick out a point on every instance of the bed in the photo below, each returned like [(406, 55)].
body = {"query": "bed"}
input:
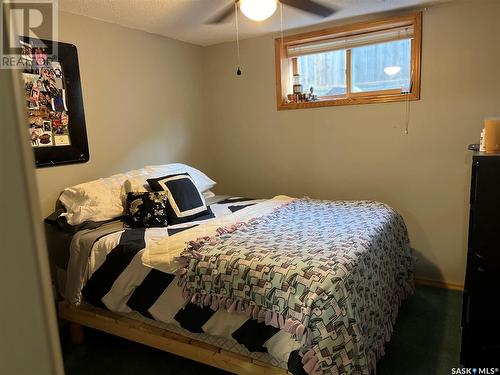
[(258, 286)]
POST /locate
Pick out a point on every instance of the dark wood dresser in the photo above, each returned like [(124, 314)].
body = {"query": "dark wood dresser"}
[(480, 315)]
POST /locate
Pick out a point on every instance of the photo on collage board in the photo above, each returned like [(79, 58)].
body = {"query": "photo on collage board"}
[(45, 96)]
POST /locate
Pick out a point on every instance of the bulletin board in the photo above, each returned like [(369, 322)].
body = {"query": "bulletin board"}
[(54, 102)]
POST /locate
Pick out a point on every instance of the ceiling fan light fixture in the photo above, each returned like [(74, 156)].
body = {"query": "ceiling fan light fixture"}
[(258, 10)]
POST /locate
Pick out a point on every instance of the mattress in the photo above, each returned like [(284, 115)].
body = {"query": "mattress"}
[(135, 272)]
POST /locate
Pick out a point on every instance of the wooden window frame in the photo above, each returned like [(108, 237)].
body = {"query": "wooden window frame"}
[(383, 96)]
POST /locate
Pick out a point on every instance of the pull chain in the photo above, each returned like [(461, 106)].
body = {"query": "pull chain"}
[(282, 45), (238, 71), (407, 121), (408, 91)]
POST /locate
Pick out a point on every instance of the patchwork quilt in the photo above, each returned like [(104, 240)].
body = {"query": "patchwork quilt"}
[(311, 286), (330, 273)]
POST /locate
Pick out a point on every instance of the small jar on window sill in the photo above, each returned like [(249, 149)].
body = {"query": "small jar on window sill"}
[(297, 86)]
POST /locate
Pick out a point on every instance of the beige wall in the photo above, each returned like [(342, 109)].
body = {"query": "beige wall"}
[(161, 101), (143, 102), (361, 152)]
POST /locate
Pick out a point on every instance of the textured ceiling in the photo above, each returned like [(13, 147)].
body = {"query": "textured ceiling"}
[(185, 19)]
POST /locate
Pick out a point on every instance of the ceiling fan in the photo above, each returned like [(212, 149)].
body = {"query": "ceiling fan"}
[(259, 10)]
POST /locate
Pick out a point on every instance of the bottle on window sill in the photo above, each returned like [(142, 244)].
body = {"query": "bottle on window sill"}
[(297, 86)]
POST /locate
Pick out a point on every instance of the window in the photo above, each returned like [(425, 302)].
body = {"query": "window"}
[(383, 66), (370, 62), (323, 71)]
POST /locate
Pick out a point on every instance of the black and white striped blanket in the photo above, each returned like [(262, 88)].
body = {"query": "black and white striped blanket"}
[(107, 270)]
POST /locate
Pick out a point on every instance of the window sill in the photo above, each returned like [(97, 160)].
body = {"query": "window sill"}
[(358, 99)]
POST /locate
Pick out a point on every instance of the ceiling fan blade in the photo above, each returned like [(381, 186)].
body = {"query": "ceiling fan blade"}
[(222, 15), (310, 7)]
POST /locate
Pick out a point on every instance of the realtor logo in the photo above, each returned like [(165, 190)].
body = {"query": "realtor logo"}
[(33, 19)]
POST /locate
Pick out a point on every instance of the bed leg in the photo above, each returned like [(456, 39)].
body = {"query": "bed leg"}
[(76, 333)]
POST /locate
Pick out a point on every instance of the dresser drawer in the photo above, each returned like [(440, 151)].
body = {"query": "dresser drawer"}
[(481, 293), (484, 233), (484, 184), (480, 347)]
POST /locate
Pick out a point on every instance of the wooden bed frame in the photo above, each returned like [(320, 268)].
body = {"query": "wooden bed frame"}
[(156, 337), (134, 330)]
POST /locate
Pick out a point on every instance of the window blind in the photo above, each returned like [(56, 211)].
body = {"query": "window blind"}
[(340, 43)]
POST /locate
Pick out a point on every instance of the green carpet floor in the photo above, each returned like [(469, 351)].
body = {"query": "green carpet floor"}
[(426, 340)]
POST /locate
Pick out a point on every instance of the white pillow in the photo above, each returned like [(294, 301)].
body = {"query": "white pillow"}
[(96, 200), (104, 199), (200, 179)]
